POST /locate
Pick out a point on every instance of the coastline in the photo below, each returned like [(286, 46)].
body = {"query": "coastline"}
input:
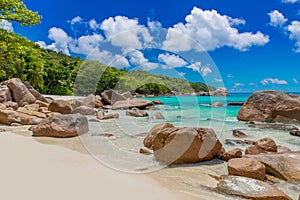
[(33, 170)]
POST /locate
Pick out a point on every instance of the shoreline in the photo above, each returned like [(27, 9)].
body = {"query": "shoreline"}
[(35, 170)]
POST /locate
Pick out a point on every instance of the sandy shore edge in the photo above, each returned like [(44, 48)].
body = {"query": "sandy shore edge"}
[(33, 170)]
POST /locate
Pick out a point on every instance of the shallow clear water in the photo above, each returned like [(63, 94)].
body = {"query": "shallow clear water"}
[(121, 152)]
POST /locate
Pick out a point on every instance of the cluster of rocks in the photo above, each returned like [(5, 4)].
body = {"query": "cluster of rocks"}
[(262, 163)]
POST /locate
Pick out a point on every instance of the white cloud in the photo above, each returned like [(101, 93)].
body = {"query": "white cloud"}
[(205, 71), (171, 60), (195, 67), (276, 81), (6, 25), (181, 73), (230, 76), (211, 30), (294, 29), (290, 1), (277, 18), (86, 44), (296, 81), (238, 85), (253, 84), (75, 20), (149, 66), (218, 80), (126, 33), (137, 58), (61, 41), (93, 24), (108, 58), (236, 21)]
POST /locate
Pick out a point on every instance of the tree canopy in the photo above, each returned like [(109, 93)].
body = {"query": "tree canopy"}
[(16, 10)]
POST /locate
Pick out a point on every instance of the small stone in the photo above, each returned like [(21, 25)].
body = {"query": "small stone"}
[(234, 153), (146, 151), (238, 133)]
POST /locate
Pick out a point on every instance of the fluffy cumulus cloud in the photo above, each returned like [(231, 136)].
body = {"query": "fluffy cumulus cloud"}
[(211, 30), (108, 58), (238, 85), (277, 18), (276, 81), (171, 60), (86, 44), (125, 32), (6, 25), (290, 1), (93, 24), (294, 29), (61, 41)]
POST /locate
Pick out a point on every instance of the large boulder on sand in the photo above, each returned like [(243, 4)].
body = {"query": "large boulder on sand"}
[(249, 188), (282, 165), (173, 145), (247, 167), (111, 97), (129, 104), (84, 110), (5, 94), (60, 106), (61, 126), (11, 116), (271, 106), (19, 92), (35, 93)]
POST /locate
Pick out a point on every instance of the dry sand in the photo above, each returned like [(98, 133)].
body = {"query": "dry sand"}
[(32, 170)]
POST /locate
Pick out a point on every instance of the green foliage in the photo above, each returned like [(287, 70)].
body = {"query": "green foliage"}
[(16, 10), (55, 73)]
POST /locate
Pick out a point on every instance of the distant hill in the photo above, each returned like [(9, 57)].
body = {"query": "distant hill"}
[(55, 73)]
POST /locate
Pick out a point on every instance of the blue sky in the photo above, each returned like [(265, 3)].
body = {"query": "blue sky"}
[(250, 45)]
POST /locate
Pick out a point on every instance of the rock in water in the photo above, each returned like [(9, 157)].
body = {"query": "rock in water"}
[(157, 116), (61, 126), (128, 104), (134, 112), (247, 167), (19, 92), (173, 145), (249, 188), (60, 106), (234, 153), (282, 165), (271, 106), (217, 104), (266, 144), (5, 94), (35, 93)]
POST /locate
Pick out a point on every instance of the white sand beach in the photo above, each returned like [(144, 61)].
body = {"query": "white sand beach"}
[(31, 170)]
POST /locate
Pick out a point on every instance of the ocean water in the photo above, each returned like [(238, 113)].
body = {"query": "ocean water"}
[(121, 151)]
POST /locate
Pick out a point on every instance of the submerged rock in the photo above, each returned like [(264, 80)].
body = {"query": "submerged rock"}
[(217, 104), (134, 112), (249, 188), (173, 145), (238, 133), (235, 103), (61, 126), (271, 106), (282, 165), (157, 116)]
